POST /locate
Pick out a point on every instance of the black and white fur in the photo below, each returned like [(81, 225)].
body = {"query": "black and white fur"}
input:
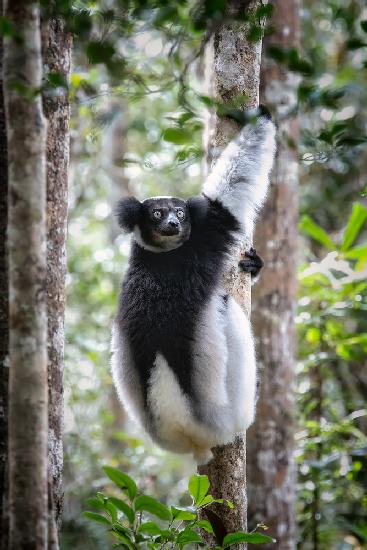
[(183, 352)]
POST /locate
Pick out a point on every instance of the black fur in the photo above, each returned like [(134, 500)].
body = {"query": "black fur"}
[(253, 263), (164, 293), (128, 212)]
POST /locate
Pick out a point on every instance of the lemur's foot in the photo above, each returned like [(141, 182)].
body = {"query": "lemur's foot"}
[(252, 264)]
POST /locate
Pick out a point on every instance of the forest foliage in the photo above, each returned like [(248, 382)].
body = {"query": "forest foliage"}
[(138, 74)]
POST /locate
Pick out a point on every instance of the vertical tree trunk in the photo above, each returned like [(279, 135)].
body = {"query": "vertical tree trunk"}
[(4, 316), (233, 67), (27, 281), (270, 467), (56, 49)]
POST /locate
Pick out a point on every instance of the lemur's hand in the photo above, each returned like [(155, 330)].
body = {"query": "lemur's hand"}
[(252, 264), (244, 117)]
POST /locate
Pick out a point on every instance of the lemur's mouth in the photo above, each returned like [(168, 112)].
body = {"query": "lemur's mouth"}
[(170, 231)]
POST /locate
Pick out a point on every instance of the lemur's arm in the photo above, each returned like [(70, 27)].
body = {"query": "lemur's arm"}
[(240, 177)]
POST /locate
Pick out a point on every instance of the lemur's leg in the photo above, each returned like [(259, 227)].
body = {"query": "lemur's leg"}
[(253, 263), (240, 177)]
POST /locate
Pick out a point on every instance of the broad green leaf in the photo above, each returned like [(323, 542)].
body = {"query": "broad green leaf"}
[(124, 539), (188, 536), (176, 135), (357, 252), (254, 538), (207, 500), (97, 517), (112, 511), (123, 481), (354, 225), (308, 226), (182, 515), (204, 524), (198, 488), (96, 503), (150, 528), (124, 508), (153, 506)]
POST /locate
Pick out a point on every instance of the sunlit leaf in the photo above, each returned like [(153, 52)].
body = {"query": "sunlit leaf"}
[(198, 488), (123, 481), (354, 225), (254, 538), (124, 508), (97, 517), (308, 226), (153, 506)]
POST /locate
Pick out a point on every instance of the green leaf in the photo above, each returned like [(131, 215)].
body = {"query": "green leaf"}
[(254, 538), (182, 515), (97, 517), (123, 481), (198, 488), (188, 536), (124, 508), (357, 252), (207, 500), (354, 225), (204, 524), (153, 506), (308, 226), (230, 504), (126, 541), (150, 528), (112, 511), (176, 135), (95, 503)]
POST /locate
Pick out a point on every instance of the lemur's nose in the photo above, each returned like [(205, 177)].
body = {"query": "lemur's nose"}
[(173, 223)]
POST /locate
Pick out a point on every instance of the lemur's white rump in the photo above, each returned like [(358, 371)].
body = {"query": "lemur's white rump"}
[(240, 177), (225, 378)]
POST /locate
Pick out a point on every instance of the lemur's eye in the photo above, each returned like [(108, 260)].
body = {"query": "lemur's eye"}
[(157, 214), (180, 213)]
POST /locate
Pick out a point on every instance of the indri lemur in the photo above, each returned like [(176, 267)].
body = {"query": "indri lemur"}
[(183, 353)]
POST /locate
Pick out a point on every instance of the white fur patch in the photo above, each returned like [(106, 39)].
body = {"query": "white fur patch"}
[(168, 242), (241, 380), (210, 353), (174, 424), (125, 379), (240, 177)]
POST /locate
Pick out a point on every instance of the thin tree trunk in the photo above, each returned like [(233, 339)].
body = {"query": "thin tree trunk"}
[(233, 67), (56, 49), (270, 465), (4, 313), (27, 281)]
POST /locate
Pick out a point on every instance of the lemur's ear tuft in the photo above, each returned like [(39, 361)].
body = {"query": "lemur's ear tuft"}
[(128, 213), (198, 209)]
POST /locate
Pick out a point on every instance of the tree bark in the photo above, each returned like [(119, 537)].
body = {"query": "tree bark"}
[(27, 281), (270, 466), (233, 69), (56, 49), (4, 313)]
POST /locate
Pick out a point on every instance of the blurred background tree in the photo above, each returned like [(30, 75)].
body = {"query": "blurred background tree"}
[(137, 118)]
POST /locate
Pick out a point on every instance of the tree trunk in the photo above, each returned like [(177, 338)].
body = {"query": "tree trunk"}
[(233, 69), (27, 281), (4, 315), (270, 467), (56, 49)]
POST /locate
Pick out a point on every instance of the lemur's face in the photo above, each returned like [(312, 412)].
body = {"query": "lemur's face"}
[(164, 223)]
